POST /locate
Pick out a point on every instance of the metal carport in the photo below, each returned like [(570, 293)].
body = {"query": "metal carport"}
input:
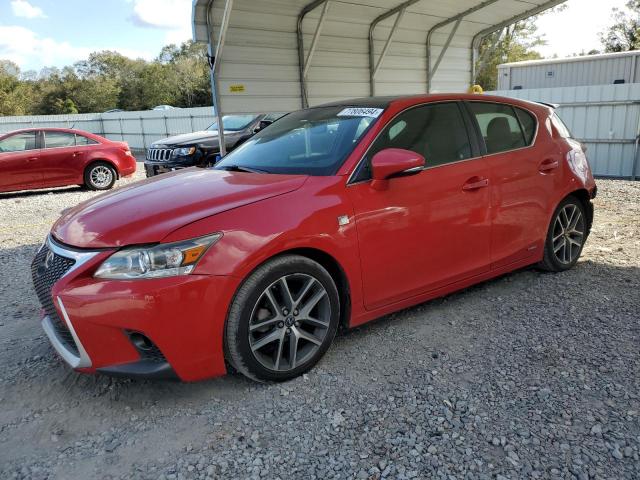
[(282, 55)]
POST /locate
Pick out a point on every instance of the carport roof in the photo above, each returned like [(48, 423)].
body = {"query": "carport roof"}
[(286, 54)]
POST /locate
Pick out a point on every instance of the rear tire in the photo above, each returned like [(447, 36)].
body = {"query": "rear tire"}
[(100, 176), (282, 319), (566, 236)]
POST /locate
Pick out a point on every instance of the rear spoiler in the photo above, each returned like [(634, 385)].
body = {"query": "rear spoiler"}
[(553, 106)]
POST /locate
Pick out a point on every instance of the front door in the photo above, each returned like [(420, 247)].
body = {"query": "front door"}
[(427, 230), (18, 162), (60, 158)]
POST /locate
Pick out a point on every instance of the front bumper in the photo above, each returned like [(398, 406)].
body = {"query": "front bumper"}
[(183, 317), (152, 169)]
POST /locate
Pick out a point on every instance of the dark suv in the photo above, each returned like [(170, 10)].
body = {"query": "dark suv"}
[(202, 148)]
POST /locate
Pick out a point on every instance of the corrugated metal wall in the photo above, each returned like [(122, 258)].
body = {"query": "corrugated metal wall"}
[(605, 117), (139, 129), (599, 70), (259, 64)]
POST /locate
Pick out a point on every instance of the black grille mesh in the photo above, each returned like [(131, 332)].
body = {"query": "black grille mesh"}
[(45, 274), (152, 353)]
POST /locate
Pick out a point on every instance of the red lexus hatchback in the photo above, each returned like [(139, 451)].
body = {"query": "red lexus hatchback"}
[(56, 157), (333, 215)]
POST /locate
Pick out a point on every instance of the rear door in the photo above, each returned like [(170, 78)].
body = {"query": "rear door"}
[(61, 159), (19, 157), (523, 177), (427, 230)]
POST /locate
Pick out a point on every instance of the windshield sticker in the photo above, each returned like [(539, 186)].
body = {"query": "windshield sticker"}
[(361, 112)]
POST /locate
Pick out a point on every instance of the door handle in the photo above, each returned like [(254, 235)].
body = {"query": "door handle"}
[(475, 183), (31, 159), (548, 165), (75, 154)]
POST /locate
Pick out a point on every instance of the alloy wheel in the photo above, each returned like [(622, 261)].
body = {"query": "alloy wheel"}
[(568, 234), (101, 176), (289, 322)]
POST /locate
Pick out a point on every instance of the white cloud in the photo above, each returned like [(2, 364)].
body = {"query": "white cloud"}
[(30, 51), (22, 8), (576, 28), (174, 16)]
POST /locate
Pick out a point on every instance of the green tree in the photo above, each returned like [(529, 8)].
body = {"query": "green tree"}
[(179, 76), (515, 43), (64, 106), (15, 95), (624, 34)]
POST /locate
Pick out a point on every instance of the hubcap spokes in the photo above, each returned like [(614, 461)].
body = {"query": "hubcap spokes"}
[(289, 322), (568, 234), (101, 176)]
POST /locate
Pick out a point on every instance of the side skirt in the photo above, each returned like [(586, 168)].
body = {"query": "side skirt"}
[(440, 292)]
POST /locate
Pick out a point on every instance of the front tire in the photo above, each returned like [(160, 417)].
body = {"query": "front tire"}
[(566, 236), (282, 320), (100, 176)]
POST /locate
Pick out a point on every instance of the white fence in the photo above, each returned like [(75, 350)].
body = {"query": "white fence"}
[(605, 117), (139, 129)]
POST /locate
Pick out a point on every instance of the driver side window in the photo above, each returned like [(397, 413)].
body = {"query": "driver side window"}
[(435, 131)]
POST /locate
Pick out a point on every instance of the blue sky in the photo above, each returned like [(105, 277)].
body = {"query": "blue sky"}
[(38, 33)]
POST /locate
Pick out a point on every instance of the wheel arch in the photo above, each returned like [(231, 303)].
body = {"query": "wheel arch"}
[(338, 274), (329, 263), (93, 161), (585, 198)]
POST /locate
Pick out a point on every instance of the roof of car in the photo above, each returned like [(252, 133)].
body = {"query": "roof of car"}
[(384, 102), (50, 129)]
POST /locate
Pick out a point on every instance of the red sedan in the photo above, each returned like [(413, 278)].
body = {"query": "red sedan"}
[(332, 216), (56, 157)]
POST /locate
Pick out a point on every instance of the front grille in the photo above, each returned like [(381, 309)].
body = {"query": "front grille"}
[(159, 154), (46, 269)]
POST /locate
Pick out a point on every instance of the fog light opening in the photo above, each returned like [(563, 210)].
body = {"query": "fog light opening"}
[(141, 342)]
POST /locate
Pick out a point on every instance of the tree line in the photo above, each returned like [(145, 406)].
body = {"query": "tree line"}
[(107, 80)]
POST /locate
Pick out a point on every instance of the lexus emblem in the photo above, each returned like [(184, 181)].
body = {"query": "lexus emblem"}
[(44, 266)]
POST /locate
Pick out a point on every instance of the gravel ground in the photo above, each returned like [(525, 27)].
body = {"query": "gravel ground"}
[(529, 376)]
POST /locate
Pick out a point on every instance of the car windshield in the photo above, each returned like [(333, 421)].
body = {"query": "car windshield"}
[(309, 142), (234, 123)]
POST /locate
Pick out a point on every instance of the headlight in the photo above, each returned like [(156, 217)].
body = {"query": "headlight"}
[(184, 152), (164, 260)]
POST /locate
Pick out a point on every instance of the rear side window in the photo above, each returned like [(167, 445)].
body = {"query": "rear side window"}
[(500, 126), (82, 140), (560, 126), (528, 124), (59, 139), (436, 131), (18, 142)]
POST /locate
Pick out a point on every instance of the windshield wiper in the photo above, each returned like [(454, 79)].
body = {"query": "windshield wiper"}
[(238, 168)]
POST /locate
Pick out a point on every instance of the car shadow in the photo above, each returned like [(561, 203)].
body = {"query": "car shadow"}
[(44, 191)]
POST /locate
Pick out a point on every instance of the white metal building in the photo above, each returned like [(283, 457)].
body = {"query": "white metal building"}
[(606, 69), (277, 55), (598, 97)]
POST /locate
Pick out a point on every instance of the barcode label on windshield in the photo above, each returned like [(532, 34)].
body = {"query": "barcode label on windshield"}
[(361, 112)]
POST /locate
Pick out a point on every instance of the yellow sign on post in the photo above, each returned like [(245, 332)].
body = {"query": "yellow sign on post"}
[(237, 88)]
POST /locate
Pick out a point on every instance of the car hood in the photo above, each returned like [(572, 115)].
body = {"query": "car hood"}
[(146, 212), (186, 139)]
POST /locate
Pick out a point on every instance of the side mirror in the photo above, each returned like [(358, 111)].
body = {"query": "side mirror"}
[(262, 125), (394, 162)]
